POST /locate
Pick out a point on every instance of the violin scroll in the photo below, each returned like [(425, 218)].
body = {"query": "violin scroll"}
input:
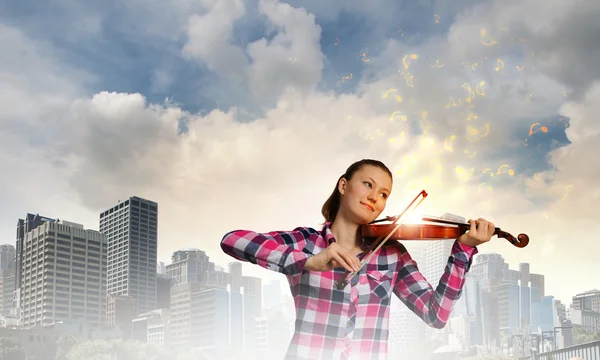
[(520, 241)]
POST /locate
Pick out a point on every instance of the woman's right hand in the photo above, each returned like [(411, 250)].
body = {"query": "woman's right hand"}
[(333, 256)]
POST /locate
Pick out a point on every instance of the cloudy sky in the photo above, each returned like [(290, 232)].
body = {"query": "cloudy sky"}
[(242, 114)]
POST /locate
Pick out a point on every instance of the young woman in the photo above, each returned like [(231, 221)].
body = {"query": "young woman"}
[(352, 323)]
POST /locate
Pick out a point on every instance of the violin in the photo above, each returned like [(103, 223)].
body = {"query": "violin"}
[(450, 230)]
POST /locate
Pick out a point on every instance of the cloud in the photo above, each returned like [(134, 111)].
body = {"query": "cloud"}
[(561, 35), (209, 39), (291, 58)]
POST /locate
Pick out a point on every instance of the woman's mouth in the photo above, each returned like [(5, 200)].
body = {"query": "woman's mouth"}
[(368, 206)]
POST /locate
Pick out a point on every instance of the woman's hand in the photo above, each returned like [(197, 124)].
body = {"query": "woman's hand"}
[(333, 256), (481, 231)]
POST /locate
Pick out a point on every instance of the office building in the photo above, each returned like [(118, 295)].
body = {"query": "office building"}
[(131, 229), (189, 266), (63, 277), (29, 223)]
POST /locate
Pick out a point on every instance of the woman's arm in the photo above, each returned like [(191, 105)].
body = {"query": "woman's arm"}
[(434, 306), (280, 251)]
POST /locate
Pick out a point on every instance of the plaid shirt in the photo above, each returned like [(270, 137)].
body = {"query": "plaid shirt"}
[(351, 323)]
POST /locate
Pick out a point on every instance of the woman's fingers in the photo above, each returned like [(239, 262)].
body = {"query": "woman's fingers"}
[(336, 256)]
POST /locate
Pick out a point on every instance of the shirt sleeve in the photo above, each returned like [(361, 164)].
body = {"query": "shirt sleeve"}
[(285, 252), (434, 306)]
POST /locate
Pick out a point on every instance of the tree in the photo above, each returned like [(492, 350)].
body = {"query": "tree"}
[(64, 343), (11, 349), (582, 335)]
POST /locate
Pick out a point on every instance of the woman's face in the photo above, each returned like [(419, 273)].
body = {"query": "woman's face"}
[(365, 195)]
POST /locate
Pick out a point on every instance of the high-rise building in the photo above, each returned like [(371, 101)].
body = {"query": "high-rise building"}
[(235, 271), (64, 272), (588, 300), (7, 288), (189, 266), (7, 257), (7, 277), (24, 226), (131, 229)]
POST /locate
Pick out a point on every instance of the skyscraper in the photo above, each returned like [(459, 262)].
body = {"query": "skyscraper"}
[(31, 222), (131, 229), (63, 276)]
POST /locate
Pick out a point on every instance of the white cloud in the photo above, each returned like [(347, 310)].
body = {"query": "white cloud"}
[(209, 38)]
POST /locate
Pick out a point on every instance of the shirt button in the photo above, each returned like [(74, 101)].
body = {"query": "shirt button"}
[(349, 323)]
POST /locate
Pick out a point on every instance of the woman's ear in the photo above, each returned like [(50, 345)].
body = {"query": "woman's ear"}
[(342, 185)]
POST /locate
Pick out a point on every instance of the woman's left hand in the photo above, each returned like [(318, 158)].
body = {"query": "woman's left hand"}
[(481, 231)]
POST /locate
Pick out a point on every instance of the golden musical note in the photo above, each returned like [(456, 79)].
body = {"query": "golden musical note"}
[(393, 140), (541, 128), (407, 58), (479, 88), (500, 65), (336, 42), (471, 155), (345, 78), (485, 39), (489, 187), (400, 31), (474, 66), (437, 64), (427, 126), (453, 103), (448, 143), (474, 135), (536, 176), (525, 142), (463, 173), (471, 93), (565, 120), (568, 190), (364, 56), (397, 115), (472, 116), (510, 171), (488, 170), (409, 80), (437, 18), (520, 68), (389, 91)]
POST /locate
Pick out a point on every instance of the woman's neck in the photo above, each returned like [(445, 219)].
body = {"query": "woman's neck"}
[(345, 233)]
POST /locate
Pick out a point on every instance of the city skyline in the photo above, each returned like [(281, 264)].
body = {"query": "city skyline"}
[(243, 114), (498, 303), (420, 251)]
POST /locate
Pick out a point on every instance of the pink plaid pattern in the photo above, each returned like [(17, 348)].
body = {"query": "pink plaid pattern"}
[(351, 323)]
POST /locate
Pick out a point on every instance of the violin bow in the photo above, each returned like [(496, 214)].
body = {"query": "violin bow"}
[(377, 244)]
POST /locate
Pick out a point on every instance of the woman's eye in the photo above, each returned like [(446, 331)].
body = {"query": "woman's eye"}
[(368, 183)]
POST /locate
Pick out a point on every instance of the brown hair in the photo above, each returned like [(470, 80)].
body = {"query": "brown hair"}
[(332, 205)]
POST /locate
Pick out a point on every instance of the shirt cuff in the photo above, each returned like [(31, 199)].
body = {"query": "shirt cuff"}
[(464, 253)]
